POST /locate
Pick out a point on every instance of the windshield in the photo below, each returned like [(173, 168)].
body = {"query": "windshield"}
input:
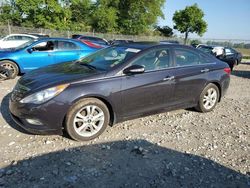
[(26, 44), (108, 58)]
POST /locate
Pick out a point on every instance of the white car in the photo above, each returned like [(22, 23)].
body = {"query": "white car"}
[(15, 40)]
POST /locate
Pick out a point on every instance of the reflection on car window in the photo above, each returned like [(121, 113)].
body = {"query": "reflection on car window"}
[(186, 58), (108, 58), (154, 60), (65, 45)]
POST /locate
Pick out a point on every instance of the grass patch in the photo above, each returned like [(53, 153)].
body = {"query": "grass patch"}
[(245, 52)]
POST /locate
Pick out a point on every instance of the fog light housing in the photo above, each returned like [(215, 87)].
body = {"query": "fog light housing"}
[(34, 121)]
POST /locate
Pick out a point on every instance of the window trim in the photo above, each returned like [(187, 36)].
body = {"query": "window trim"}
[(150, 50)]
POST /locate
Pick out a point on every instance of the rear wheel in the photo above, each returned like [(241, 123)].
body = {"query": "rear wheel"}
[(87, 119), (11, 67), (209, 98)]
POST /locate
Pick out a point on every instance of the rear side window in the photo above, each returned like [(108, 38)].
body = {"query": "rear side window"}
[(65, 45), (185, 57)]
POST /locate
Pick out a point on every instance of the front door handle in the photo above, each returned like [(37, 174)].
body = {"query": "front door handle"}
[(168, 78), (49, 54), (204, 70)]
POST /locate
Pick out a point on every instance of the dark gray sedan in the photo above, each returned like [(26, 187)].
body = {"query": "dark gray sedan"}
[(116, 84)]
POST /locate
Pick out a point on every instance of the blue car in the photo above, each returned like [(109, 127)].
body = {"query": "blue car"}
[(43, 52)]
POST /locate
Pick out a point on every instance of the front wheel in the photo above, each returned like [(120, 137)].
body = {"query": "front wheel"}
[(87, 119), (209, 98), (11, 67)]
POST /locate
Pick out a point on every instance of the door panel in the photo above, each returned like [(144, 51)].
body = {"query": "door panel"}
[(36, 59), (67, 51), (191, 74), (143, 93), (189, 82), (64, 56)]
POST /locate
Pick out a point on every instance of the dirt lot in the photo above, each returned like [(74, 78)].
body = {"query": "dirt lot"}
[(176, 149)]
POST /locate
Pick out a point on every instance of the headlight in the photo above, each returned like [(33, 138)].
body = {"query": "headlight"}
[(44, 95)]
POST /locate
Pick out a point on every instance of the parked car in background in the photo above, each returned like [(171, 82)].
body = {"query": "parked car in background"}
[(15, 40), (119, 42), (95, 40), (115, 84), (170, 41), (226, 54), (43, 52), (39, 35)]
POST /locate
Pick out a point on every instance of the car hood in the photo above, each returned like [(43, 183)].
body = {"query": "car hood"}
[(57, 74)]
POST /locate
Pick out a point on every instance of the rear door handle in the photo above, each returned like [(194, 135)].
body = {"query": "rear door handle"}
[(204, 70), (50, 54), (168, 78)]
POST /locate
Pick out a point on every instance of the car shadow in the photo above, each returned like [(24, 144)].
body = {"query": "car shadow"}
[(136, 163), (4, 108), (243, 74)]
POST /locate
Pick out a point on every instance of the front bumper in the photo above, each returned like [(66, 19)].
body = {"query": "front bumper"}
[(50, 114), (34, 129)]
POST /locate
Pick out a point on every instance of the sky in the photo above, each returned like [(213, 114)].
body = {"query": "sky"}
[(226, 19)]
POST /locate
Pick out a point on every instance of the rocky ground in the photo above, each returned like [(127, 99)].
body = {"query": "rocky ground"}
[(175, 149)]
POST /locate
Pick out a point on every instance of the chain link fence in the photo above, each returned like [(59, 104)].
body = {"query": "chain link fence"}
[(5, 30), (8, 29)]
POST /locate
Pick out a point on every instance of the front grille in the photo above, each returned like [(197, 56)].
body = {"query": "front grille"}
[(19, 92)]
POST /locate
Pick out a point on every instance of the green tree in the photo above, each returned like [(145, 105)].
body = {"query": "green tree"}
[(137, 17), (190, 20), (44, 13), (105, 15), (9, 14), (81, 14), (165, 31)]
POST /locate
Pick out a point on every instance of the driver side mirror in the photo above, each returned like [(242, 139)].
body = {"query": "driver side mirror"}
[(30, 50), (134, 69)]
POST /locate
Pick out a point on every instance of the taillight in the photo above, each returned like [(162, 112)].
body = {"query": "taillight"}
[(227, 70)]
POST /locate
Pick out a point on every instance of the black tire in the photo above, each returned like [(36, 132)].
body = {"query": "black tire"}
[(231, 67), (70, 125), (236, 62), (12, 67), (201, 107)]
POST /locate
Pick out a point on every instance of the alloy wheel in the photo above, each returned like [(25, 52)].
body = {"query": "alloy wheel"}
[(88, 120), (210, 98)]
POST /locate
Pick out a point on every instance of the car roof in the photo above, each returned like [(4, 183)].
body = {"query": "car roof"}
[(210, 46), (21, 34), (56, 38), (145, 45)]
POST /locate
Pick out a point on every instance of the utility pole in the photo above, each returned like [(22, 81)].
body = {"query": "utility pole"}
[(9, 28)]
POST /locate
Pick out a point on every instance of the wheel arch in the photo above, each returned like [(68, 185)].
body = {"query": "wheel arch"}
[(105, 101), (219, 87), (18, 66)]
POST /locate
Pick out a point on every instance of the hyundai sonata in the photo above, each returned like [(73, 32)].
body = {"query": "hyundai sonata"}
[(115, 84)]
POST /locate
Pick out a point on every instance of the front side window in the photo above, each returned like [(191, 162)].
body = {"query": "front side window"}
[(185, 57), (44, 46), (154, 60), (108, 58)]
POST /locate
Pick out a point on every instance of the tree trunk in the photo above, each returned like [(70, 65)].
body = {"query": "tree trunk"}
[(186, 37)]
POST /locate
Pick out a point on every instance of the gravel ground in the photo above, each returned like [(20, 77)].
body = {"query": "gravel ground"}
[(182, 148)]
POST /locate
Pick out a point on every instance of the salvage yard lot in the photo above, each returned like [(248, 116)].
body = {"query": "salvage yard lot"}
[(183, 148)]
